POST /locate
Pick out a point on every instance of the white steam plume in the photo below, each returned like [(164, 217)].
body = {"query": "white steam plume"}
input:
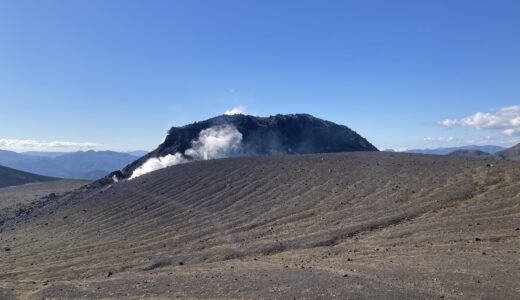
[(214, 142), (236, 110), (156, 163)]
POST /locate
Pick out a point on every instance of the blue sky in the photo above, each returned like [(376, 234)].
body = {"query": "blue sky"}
[(118, 74)]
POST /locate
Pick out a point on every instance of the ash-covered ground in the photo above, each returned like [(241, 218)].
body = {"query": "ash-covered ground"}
[(347, 226)]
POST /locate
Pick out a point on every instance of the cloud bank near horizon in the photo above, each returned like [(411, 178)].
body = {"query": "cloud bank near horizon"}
[(32, 145)]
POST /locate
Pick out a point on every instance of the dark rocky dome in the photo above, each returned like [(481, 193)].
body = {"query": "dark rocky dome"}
[(280, 134), (469, 153)]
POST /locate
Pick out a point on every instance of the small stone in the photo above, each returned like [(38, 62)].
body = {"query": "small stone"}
[(181, 263), (477, 240), (109, 273)]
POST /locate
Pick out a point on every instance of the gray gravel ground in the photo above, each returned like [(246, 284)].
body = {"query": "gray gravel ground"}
[(346, 226)]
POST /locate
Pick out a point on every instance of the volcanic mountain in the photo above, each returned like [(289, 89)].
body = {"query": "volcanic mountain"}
[(280, 134), (356, 225)]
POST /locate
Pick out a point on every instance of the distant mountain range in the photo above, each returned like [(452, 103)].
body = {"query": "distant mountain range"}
[(488, 151), (469, 153), (10, 177), (74, 165), (444, 151)]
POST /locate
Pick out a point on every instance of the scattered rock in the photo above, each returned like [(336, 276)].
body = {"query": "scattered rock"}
[(477, 239), (109, 274)]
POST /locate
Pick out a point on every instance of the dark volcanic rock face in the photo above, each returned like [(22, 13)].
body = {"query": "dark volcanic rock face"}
[(280, 134)]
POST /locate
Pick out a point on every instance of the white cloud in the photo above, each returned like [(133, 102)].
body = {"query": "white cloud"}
[(511, 131), (17, 144), (236, 110), (448, 122), (440, 139), (506, 119)]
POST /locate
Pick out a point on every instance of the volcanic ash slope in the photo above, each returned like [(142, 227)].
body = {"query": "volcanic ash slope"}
[(349, 225)]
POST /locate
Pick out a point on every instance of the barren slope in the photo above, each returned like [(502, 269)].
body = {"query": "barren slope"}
[(352, 225), (14, 199), (512, 153)]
